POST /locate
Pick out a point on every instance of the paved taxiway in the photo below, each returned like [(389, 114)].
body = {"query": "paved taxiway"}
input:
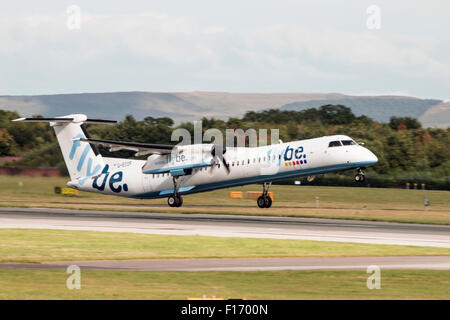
[(228, 226)]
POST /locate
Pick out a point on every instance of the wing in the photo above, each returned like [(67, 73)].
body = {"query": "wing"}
[(139, 148)]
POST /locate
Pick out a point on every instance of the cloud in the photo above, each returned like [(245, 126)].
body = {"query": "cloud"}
[(42, 43)]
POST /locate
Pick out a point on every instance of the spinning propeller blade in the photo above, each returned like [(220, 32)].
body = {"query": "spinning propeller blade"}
[(217, 153)]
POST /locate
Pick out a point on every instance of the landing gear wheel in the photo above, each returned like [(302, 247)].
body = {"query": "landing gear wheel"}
[(264, 201), (261, 202), (360, 175), (172, 201), (180, 201), (268, 202), (175, 201)]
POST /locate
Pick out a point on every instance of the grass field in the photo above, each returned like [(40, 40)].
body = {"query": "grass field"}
[(334, 202), (22, 245), (395, 284)]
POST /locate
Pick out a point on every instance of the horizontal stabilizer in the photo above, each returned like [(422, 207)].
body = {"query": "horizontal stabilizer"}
[(66, 119), (82, 161), (139, 148)]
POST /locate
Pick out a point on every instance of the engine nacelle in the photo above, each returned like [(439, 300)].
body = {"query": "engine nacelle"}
[(189, 156)]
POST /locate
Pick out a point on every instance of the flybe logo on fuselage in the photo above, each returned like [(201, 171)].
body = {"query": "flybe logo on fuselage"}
[(114, 182), (294, 157), (169, 159)]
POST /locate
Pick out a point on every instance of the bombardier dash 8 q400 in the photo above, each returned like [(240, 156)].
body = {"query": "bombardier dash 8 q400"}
[(172, 171)]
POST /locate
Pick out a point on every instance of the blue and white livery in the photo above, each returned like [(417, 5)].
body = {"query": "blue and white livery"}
[(172, 171)]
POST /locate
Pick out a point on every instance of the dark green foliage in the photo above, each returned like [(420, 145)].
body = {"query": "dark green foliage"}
[(404, 123), (327, 114), (26, 135)]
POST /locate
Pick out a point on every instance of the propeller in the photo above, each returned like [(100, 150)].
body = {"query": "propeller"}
[(216, 152)]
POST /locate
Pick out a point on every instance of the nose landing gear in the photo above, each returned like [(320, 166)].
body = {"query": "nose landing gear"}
[(359, 177), (265, 201)]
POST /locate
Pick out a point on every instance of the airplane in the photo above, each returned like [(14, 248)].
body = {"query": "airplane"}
[(175, 170)]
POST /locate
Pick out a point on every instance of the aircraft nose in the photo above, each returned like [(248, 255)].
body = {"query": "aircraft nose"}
[(371, 158)]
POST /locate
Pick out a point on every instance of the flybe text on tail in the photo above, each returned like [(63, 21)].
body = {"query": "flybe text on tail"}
[(76, 144)]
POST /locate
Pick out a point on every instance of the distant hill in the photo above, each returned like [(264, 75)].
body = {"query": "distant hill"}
[(437, 116), (182, 106), (379, 108), (188, 106)]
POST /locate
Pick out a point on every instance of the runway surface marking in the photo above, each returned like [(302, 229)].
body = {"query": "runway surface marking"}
[(228, 226)]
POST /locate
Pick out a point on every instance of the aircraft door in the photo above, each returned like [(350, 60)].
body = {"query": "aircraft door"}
[(146, 182)]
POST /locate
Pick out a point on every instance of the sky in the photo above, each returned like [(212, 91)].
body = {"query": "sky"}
[(353, 47)]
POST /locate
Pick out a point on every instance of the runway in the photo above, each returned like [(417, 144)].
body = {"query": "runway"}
[(249, 264), (228, 226)]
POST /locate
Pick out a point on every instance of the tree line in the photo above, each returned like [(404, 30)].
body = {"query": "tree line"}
[(406, 151)]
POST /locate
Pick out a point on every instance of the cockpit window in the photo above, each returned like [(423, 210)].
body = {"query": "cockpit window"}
[(334, 144), (348, 142)]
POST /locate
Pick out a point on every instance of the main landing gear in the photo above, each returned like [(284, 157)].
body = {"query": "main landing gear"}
[(360, 176), (175, 200), (265, 201)]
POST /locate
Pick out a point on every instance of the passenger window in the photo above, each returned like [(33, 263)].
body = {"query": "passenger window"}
[(348, 142), (334, 144)]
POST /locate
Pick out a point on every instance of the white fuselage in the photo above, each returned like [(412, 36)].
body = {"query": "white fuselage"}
[(153, 178)]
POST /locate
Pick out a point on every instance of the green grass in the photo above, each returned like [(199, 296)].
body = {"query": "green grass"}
[(395, 284), (380, 204), (23, 245)]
